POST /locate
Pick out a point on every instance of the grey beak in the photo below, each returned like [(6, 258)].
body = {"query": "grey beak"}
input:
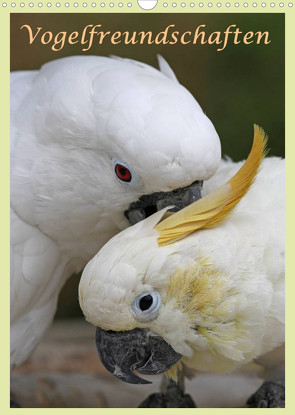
[(149, 204), (122, 352)]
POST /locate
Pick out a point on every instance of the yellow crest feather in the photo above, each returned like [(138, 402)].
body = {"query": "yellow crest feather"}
[(215, 207)]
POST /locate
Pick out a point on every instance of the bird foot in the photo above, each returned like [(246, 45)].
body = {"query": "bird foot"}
[(269, 395), (172, 398)]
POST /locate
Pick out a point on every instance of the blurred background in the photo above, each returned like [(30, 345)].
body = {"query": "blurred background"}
[(239, 86)]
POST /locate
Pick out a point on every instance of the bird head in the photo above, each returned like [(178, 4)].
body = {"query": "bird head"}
[(148, 299), (118, 140)]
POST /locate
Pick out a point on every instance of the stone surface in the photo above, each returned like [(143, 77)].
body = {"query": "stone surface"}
[(64, 371)]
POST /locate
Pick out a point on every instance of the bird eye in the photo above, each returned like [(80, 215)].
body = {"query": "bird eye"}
[(146, 306), (146, 302), (123, 173)]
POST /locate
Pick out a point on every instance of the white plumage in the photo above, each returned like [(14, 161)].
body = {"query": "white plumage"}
[(70, 122), (236, 270)]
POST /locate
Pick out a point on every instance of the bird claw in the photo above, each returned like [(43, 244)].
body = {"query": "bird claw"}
[(269, 395), (173, 398)]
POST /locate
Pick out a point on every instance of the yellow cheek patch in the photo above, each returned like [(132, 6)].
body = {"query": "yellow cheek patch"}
[(211, 303), (197, 290)]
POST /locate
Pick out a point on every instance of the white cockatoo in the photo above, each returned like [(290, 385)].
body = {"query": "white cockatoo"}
[(203, 287), (97, 143)]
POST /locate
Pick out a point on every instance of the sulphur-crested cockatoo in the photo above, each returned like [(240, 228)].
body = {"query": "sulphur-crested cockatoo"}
[(202, 288), (95, 141)]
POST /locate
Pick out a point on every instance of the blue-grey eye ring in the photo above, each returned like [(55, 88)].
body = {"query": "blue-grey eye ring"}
[(146, 306)]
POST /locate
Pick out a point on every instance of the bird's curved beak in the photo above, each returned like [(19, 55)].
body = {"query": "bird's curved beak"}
[(121, 352), (149, 204)]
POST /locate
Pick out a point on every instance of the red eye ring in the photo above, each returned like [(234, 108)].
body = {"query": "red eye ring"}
[(123, 173)]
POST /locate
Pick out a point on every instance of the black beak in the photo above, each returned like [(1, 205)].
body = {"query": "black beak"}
[(149, 204), (121, 352)]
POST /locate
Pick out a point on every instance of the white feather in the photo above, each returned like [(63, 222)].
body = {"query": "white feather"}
[(69, 121), (165, 68), (246, 252)]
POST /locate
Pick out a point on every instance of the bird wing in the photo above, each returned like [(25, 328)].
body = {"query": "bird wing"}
[(37, 270)]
